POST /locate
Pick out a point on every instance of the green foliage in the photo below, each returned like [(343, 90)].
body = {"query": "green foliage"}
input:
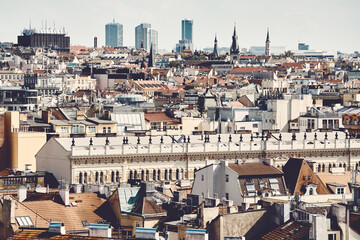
[(175, 64), (192, 57)]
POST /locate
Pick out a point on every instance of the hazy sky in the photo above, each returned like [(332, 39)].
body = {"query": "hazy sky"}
[(323, 24)]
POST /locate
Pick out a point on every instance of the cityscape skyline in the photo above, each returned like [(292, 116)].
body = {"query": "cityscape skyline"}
[(288, 25)]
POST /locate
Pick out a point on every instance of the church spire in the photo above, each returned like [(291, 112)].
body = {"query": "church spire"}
[(151, 57), (267, 44), (234, 49), (216, 51)]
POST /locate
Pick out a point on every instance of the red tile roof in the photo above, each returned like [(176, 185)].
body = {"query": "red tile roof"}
[(248, 169), (246, 69), (289, 230), (26, 234), (159, 117), (292, 65)]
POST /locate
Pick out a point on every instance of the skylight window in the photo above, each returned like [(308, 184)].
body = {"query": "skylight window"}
[(274, 183), (24, 221)]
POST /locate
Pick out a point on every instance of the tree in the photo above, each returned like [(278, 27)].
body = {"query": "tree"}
[(289, 53), (174, 64)]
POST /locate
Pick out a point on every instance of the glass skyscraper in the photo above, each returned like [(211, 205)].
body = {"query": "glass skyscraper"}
[(187, 30), (114, 34), (144, 33)]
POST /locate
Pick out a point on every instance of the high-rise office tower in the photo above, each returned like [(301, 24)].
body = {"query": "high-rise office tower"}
[(145, 35), (114, 34), (95, 42), (187, 30), (186, 36)]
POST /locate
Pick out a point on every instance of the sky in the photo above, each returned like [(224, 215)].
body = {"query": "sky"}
[(331, 25)]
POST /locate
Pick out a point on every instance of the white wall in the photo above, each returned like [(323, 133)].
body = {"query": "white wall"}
[(52, 157)]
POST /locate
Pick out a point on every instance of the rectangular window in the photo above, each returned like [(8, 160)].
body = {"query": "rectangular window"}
[(64, 129), (202, 177), (325, 124), (227, 196), (255, 125), (92, 129), (109, 129), (227, 178), (104, 129), (340, 190)]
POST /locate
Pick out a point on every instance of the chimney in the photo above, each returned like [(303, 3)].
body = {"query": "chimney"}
[(107, 115), (45, 116), (100, 230), (57, 227), (64, 194), (22, 193), (80, 115)]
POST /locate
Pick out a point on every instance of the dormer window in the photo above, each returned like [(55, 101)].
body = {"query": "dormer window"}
[(340, 190), (250, 187), (274, 183)]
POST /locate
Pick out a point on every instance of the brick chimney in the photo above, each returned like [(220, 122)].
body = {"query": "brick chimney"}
[(45, 116)]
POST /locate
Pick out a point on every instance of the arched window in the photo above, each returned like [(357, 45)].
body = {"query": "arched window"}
[(147, 175), (177, 174), (131, 174), (170, 174), (85, 177), (159, 175), (112, 176), (311, 191), (142, 175), (135, 174), (154, 175), (96, 177), (166, 174), (117, 176), (101, 177), (80, 178)]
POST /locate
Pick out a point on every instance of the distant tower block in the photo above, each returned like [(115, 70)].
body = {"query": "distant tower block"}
[(95, 42), (267, 44)]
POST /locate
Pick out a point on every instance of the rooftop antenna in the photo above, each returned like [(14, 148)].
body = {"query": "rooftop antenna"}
[(54, 24), (42, 24), (30, 24), (46, 25)]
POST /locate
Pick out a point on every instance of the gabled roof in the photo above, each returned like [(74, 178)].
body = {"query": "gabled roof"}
[(297, 174), (244, 100), (256, 169)]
